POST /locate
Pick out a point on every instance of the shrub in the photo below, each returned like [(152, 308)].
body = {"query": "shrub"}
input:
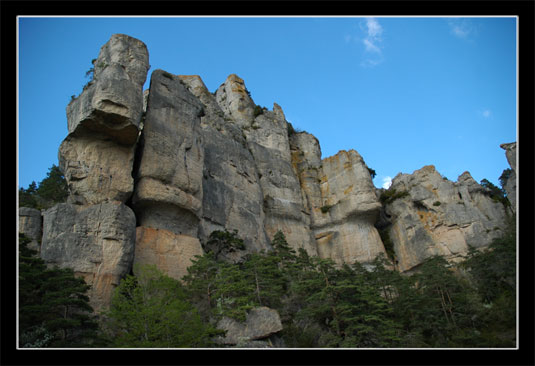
[(258, 110), (391, 195), (326, 208), (436, 203)]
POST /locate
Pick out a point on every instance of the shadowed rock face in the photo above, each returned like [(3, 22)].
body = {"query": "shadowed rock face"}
[(30, 224), (510, 185), (440, 217)]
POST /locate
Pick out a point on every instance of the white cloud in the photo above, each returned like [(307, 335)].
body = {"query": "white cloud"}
[(372, 40), (387, 182)]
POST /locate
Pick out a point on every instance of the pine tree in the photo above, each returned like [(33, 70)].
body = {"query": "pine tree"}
[(52, 304), (152, 310)]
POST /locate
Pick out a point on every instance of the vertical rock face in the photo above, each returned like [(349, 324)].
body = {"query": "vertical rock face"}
[(232, 196), (431, 215), (168, 192), (169, 252), (190, 162), (30, 224), (96, 241), (510, 185), (97, 155), (94, 234), (342, 202)]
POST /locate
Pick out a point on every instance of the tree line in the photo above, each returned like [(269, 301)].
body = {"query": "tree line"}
[(470, 304)]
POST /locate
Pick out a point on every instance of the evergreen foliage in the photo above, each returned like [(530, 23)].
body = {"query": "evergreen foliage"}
[(50, 191), (54, 310), (152, 310)]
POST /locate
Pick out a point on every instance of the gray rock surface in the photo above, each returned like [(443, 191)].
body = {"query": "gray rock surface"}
[(232, 195), (103, 122), (510, 185), (168, 191), (341, 199), (260, 323), (31, 225), (96, 241), (112, 102), (440, 217)]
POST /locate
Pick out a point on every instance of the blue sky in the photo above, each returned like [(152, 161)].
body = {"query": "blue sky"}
[(403, 91)]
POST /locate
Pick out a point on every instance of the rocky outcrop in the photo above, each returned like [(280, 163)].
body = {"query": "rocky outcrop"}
[(179, 162), (30, 224), (430, 215), (341, 199), (168, 191), (103, 122), (232, 195), (94, 233), (510, 185), (260, 323), (96, 241)]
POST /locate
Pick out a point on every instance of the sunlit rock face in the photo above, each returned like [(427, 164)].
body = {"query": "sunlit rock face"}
[(96, 241), (151, 174), (435, 216), (341, 199), (103, 122), (168, 190)]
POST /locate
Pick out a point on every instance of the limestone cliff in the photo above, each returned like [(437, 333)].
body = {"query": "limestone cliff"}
[(152, 173)]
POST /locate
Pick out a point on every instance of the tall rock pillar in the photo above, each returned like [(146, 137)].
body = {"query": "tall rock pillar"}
[(94, 232)]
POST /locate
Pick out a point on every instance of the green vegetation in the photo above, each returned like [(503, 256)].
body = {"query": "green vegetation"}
[(372, 172), (152, 310), (51, 190), (391, 195), (258, 110), (471, 304), (506, 174), (436, 203), (326, 208), (497, 194), (54, 310)]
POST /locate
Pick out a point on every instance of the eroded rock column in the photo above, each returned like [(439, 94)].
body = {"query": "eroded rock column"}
[(168, 191), (94, 232)]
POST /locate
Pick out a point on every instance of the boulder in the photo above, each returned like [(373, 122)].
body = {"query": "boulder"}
[(96, 241), (260, 323), (171, 253), (30, 224)]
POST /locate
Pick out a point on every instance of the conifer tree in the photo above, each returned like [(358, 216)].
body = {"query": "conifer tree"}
[(52, 304)]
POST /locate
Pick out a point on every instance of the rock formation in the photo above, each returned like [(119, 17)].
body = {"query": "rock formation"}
[(151, 174), (94, 233), (430, 215), (510, 185), (260, 323), (31, 225)]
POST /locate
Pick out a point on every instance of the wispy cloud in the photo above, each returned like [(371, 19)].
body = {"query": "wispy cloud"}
[(387, 182), (462, 28), (372, 41)]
